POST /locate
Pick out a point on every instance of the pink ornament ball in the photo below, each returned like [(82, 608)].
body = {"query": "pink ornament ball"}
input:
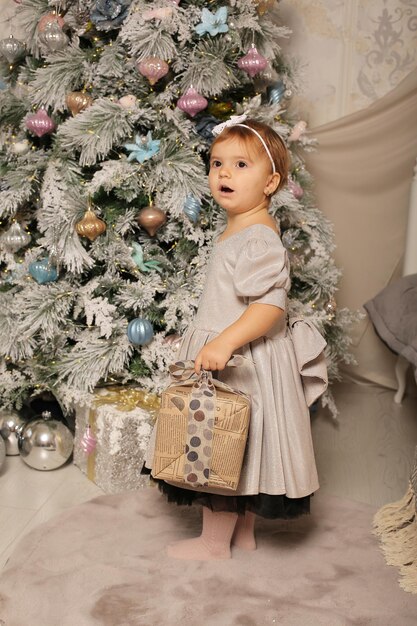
[(296, 189), (298, 129), (40, 123), (153, 68), (47, 20), (88, 441), (252, 63), (192, 102)]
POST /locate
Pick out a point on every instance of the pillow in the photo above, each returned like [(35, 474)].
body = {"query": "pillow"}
[(393, 313)]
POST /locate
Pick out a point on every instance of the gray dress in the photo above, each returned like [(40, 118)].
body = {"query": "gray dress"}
[(282, 376)]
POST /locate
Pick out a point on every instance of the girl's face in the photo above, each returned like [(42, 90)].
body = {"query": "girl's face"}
[(240, 179)]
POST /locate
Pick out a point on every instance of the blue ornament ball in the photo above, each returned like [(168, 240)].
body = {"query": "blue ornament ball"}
[(42, 271), (192, 208), (276, 92), (140, 331)]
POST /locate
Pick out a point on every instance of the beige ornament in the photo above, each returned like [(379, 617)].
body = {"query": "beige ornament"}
[(77, 101), (151, 219), (90, 226)]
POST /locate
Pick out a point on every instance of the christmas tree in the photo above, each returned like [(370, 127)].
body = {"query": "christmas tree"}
[(106, 219)]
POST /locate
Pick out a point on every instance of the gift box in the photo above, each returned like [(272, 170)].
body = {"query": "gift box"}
[(111, 437), (201, 431)]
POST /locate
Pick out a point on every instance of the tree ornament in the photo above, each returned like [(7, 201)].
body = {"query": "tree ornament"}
[(54, 37), (276, 92), (2, 452), (192, 102), (290, 239), (43, 271), (40, 123), (297, 130), (12, 49), (140, 331), (109, 14), (221, 110), (90, 225), (10, 425), (143, 266), (153, 68), (173, 340), (127, 102), (48, 19), (15, 238), (20, 147), (151, 219), (158, 14), (88, 441), (192, 208), (45, 443), (296, 189), (143, 149), (212, 23), (77, 101), (330, 308), (205, 125), (262, 6), (252, 63)]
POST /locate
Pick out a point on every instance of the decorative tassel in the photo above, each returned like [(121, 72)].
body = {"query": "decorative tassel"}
[(396, 526)]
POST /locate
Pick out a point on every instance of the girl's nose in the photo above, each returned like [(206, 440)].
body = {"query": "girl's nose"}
[(224, 171)]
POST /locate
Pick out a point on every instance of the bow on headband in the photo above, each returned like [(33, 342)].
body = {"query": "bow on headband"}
[(235, 119)]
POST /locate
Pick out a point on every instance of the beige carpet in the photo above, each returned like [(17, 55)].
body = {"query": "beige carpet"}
[(103, 564)]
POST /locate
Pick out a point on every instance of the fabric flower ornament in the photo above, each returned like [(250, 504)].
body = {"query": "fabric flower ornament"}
[(143, 149), (212, 23), (109, 14), (143, 266)]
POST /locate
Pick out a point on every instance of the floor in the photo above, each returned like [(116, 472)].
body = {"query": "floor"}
[(366, 455), (29, 497)]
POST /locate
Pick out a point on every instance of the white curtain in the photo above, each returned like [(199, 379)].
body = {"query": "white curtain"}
[(363, 170)]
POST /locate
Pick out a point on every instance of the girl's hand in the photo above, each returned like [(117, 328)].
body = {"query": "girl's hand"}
[(213, 356)]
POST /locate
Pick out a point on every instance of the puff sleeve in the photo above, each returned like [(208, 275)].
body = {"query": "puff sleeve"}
[(261, 273)]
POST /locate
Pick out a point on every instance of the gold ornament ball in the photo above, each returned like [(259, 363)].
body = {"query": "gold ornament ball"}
[(221, 110), (262, 6), (151, 219), (77, 101), (90, 226)]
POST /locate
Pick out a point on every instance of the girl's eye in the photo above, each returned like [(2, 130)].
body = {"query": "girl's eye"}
[(241, 164), (215, 164)]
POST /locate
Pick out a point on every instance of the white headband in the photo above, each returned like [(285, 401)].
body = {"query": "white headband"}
[(236, 120)]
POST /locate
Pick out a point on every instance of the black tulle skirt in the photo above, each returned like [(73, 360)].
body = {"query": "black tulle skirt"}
[(262, 504)]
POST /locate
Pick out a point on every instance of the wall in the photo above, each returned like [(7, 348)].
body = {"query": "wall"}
[(354, 51)]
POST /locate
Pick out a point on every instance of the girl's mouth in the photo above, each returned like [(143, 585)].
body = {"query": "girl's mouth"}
[(225, 189)]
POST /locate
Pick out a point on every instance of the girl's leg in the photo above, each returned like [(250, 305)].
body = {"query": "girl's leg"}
[(244, 535), (214, 541)]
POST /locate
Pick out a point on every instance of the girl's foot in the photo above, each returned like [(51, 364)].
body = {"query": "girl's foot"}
[(214, 542), (244, 535)]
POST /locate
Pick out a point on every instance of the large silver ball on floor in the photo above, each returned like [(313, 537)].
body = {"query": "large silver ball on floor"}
[(45, 443), (2, 452), (10, 425)]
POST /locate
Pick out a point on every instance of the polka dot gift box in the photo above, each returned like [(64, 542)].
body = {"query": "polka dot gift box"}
[(201, 431)]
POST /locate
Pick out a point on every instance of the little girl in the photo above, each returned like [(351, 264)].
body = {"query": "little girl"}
[(243, 310)]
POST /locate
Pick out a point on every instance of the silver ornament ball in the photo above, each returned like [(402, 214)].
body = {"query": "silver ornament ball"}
[(45, 443), (2, 452), (10, 425), (12, 49), (54, 37)]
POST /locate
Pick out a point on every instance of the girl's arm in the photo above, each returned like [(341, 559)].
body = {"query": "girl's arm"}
[(255, 322)]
